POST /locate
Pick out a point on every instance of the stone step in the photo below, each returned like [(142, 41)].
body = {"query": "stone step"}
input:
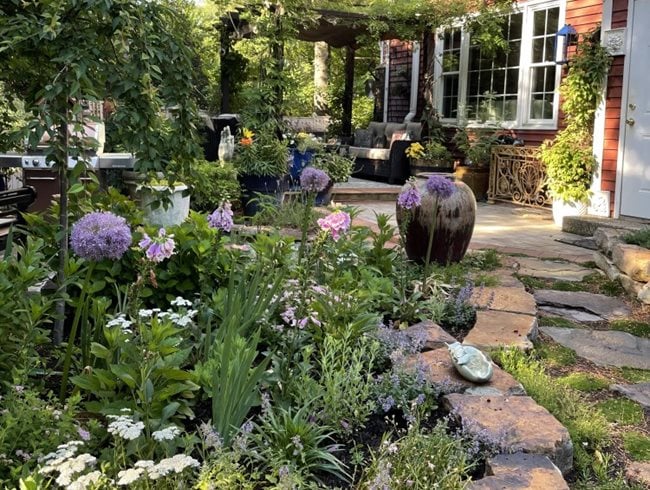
[(429, 335), (495, 329), (513, 424), (349, 195), (553, 269), (440, 371), (603, 306), (500, 298), (520, 471), (587, 225)]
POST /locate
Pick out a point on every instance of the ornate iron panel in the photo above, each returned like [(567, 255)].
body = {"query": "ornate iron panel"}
[(517, 175)]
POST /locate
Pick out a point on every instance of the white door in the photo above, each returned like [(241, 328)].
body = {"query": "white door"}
[(635, 189)]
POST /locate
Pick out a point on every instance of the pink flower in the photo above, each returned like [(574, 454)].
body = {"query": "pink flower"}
[(336, 223), (160, 248)]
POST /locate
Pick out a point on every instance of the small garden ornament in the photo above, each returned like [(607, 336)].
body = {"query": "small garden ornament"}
[(471, 363)]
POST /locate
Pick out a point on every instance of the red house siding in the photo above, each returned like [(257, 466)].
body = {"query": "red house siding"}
[(401, 61)]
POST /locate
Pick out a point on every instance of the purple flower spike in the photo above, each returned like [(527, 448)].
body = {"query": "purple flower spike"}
[(99, 236), (440, 186), (410, 198), (159, 248), (313, 180), (221, 218)]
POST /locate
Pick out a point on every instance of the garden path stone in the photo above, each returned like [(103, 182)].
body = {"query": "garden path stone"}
[(506, 278), (430, 333), (441, 372), (571, 314), (513, 424), (638, 472), (605, 348), (606, 238), (639, 392), (551, 269), (510, 299), (633, 260), (520, 471), (598, 304), (500, 328)]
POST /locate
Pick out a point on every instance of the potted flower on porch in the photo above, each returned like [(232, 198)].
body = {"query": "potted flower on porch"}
[(432, 156), (477, 148), (262, 163)]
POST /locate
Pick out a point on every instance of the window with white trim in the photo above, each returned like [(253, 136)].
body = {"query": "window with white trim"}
[(517, 86)]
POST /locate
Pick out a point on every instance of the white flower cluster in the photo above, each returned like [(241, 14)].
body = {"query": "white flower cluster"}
[(148, 313), (84, 481), (121, 322), (181, 302), (166, 434), (64, 461), (176, 464), (125, 427)]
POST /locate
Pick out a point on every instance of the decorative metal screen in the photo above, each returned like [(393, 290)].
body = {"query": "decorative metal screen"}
[(517, 175)]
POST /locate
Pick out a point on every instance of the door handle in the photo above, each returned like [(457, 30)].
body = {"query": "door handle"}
[(630, 121)]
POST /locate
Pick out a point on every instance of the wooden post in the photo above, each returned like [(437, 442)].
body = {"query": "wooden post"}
[(348, 94)]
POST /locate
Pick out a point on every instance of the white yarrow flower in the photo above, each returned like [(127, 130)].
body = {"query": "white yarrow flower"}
[(126, 477), (181, 302), (84, 481), (166, 434), (125, 427), (175, 464)]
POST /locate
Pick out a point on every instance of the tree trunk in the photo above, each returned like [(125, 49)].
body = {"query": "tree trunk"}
[(321, 77)]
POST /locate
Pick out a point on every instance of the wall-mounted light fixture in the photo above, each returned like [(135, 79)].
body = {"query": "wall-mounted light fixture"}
[(565, 37)]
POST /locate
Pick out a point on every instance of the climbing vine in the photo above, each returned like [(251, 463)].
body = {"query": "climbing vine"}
[(569, 158)]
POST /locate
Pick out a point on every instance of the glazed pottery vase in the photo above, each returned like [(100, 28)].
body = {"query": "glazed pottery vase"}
[(454, 224)]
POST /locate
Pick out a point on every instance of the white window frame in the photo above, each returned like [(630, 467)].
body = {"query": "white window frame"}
[(523, 119)]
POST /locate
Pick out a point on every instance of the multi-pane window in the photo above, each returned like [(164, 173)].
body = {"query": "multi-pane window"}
[(451, 72), (493, 79), (543, 67), (517, 85)]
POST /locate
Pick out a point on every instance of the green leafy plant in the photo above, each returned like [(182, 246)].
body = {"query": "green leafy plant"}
[(338, 167), (286, 437), (140, 366), (476, 144), (419, 459), (621, 411), (432, 150), (261, 155), (211, 183), (639, 237), (637, 445), (569, 158)]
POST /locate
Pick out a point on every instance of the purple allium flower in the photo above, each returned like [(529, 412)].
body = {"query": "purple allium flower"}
[(440, 186), (336, 223), (100, 235), (410, 198), (221, 218), (313, 180), (158, 248)]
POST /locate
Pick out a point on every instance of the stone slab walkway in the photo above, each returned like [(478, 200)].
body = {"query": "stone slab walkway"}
[(604, 307), (605, 348)]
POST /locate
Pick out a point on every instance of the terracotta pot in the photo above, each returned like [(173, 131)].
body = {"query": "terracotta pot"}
[(454, 225), (477, 178)]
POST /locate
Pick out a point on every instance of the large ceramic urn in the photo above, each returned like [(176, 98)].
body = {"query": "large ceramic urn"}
[(454, 224)]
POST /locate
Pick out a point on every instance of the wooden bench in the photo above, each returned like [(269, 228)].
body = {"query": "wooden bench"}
[(12, 204)]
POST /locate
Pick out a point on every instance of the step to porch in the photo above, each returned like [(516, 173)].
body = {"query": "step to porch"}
[(587, 225), (360, 190)]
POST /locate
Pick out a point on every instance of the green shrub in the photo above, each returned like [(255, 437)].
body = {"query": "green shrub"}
[(555, 355), (633, 375), (584, 382), (640, 238), (640, 329), (211, 183), (420, 460)]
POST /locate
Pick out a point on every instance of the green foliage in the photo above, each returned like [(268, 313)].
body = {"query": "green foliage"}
[(139, 366), (587, 426), (584, 382), (223, 471), (420, 459), (556, 321), (635, 375), (555, 355), (345, 375), (212, 183), (621, 411), (338, 167), (286, 437), (12, 118), (639, 237), (266, 156), (289, 214), (476, 144), (640, 329), (569, 158), (637, 445), (23, 314), (31, 426)]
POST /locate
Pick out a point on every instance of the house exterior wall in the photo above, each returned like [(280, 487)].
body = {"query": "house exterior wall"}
[(401, 61)]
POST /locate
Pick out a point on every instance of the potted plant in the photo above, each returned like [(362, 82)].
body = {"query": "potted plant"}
[(262, 163), (477, 148), (433, 156), (304, 146), (164, 204), (337, 167)]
